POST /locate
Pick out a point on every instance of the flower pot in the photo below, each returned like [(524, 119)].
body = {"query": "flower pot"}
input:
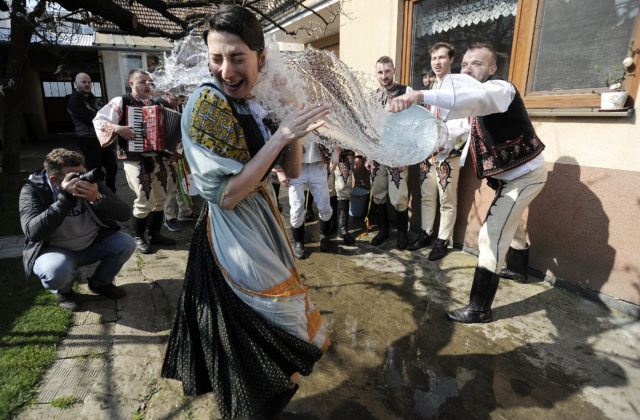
[(613, 100)]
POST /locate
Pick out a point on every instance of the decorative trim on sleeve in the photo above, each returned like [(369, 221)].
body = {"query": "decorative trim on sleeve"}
[(214, 126)]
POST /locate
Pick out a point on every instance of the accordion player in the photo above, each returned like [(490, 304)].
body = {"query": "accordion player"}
[(157, 129)]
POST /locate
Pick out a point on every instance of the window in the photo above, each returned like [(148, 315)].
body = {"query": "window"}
[(56, 89), (550, 48), (460, 23), (559, 43)]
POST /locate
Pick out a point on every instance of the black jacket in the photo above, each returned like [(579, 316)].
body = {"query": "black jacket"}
[(40, 216), (82, 110)]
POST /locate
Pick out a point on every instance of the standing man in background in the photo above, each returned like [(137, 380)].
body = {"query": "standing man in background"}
[(439, 173), (146, 173), (83, 107), (387, 181)]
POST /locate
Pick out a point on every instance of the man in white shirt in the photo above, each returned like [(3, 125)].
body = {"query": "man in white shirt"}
[(506, 150), (438, 174)]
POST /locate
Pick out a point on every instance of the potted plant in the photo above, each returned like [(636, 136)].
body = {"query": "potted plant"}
[(614, 97)]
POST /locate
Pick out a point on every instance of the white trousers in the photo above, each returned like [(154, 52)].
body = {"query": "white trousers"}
[(504, 226), (314, 177), (386, 180), (151, 196), (439, 180), (340, 183)]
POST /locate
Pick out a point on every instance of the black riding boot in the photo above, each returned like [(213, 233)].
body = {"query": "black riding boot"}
[(380, 210), (333, 200), (343, 222), (325, 231), (483, 290), (298, 242), (139, 230), (402, 223), (155, 224), (516, 265)]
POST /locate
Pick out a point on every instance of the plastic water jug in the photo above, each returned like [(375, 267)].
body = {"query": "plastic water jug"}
[(413, 134)]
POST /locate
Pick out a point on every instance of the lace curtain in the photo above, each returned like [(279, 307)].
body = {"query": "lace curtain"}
[(463, 13)]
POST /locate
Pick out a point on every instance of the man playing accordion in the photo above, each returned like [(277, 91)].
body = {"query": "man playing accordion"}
[(145, 172)]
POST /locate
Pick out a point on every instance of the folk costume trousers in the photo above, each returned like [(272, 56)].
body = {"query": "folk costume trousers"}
[(504, 226), (149, 183), (392, 182), (439, 180)]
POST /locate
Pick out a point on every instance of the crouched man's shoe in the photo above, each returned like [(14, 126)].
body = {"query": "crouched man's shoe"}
[(67, 301), (110, 290)]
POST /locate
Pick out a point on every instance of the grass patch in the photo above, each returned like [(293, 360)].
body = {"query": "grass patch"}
[(139, 261), (65, 402), (31, 324)]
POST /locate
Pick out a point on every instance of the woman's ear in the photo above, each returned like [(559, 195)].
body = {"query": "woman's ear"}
[(262, 59)]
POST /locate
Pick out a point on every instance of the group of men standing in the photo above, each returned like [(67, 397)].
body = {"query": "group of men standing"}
[(437, 175)]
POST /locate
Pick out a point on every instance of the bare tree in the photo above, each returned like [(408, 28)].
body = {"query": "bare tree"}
[(46, 17)]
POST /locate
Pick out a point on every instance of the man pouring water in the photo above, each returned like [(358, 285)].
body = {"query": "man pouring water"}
[(504, 149)]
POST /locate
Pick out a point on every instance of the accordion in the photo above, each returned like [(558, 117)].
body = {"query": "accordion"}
[(157, 129)]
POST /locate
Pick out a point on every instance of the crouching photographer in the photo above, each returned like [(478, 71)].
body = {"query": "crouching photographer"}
[(70, 219)]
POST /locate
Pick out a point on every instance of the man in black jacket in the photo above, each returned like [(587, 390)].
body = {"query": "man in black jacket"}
[(83, 106), (70, 222)]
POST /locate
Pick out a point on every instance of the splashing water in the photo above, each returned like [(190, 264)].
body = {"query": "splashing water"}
[(357, 118)]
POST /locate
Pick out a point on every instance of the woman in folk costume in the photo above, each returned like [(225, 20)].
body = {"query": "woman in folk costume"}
[(245, 327)]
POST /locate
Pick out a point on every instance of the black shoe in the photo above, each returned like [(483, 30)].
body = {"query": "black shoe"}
[(156, 238), (142, 245), (172, 225), (439, 250), (516, 263), (325, 242), (298, 242), (421, 241), (343, 222), (402, 239), (483, 290), (402, 224), (110, 290), (67, 301), (139, 230), (382, 236), (155, 224)]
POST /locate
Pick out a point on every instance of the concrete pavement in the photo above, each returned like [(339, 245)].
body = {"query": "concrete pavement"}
[(548, 354)]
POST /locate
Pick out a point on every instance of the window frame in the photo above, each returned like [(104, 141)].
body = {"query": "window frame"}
[(522, 65)]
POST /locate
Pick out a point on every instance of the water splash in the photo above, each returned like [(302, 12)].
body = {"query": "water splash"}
[(357, 119)]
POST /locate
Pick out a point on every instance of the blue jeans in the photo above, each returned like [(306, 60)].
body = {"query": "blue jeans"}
[(57, 267)]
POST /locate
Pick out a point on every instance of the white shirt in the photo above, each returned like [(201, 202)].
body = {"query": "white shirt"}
[(461, 96)]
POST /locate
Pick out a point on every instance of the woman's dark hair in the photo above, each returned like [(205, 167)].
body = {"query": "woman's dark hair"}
[(238, 21)]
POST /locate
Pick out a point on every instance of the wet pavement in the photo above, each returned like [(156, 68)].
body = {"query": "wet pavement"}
[(548, 353)]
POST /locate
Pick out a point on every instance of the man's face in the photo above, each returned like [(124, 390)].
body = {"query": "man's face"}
[(83, 83), (57, 179), (141, 86), (385, 73), (440, 62), (478, 63), (173, 100)]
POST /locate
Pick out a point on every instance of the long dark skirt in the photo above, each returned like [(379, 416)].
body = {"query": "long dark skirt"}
[(218, 343)]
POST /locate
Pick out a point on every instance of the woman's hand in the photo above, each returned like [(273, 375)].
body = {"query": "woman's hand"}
[(301, 122), (285, 181)]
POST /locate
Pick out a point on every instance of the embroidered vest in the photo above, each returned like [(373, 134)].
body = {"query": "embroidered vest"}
[(503, 141)]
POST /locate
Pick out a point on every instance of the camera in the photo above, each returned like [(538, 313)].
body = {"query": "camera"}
[(92, 176)]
